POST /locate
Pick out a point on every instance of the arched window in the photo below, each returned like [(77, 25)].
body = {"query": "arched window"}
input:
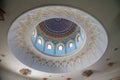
[(78, 37), (70, 44), (40, 41), (60, 47), (34, 33), (49, 46)]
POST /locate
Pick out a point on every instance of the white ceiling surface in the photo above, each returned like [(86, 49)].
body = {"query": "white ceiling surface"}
[(106, 11)]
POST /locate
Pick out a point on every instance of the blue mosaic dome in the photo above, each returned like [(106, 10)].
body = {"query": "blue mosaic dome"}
[(57, 37)]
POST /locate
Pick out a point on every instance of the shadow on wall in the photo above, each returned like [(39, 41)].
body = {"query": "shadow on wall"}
[(117, 19), (118, 2), (0, 77), (0, 73), (116, 22), (8, 75), (2, 3)]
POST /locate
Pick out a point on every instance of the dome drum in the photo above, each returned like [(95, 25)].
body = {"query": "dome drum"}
[(54, 47)]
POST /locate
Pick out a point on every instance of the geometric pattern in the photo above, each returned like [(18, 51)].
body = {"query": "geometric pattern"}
[(55, 29)]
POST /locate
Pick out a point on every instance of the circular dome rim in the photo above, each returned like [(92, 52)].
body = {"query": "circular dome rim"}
[(88, 15), (41, 27), (75, 51)]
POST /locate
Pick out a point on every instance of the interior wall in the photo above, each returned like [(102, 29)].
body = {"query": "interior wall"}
[(106, 11), (8, 75), (106, 75)]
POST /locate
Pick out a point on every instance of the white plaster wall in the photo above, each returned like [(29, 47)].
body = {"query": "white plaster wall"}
[(106, 11)]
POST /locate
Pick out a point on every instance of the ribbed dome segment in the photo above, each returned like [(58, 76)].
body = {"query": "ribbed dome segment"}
[(58, 25), (57, 28)]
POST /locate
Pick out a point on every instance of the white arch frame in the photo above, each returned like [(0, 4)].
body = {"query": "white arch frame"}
[(42, 40), (76, 38), (68, 43), (60, 44), (34, 33), (49, 43)]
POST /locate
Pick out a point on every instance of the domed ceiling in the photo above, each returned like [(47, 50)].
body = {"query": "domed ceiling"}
[(58, 28), (57, 39)]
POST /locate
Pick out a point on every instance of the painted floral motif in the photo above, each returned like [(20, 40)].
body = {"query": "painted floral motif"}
[(95, 45), (25, 71)]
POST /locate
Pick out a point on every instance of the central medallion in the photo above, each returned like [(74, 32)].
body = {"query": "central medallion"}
[(57, 36)]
